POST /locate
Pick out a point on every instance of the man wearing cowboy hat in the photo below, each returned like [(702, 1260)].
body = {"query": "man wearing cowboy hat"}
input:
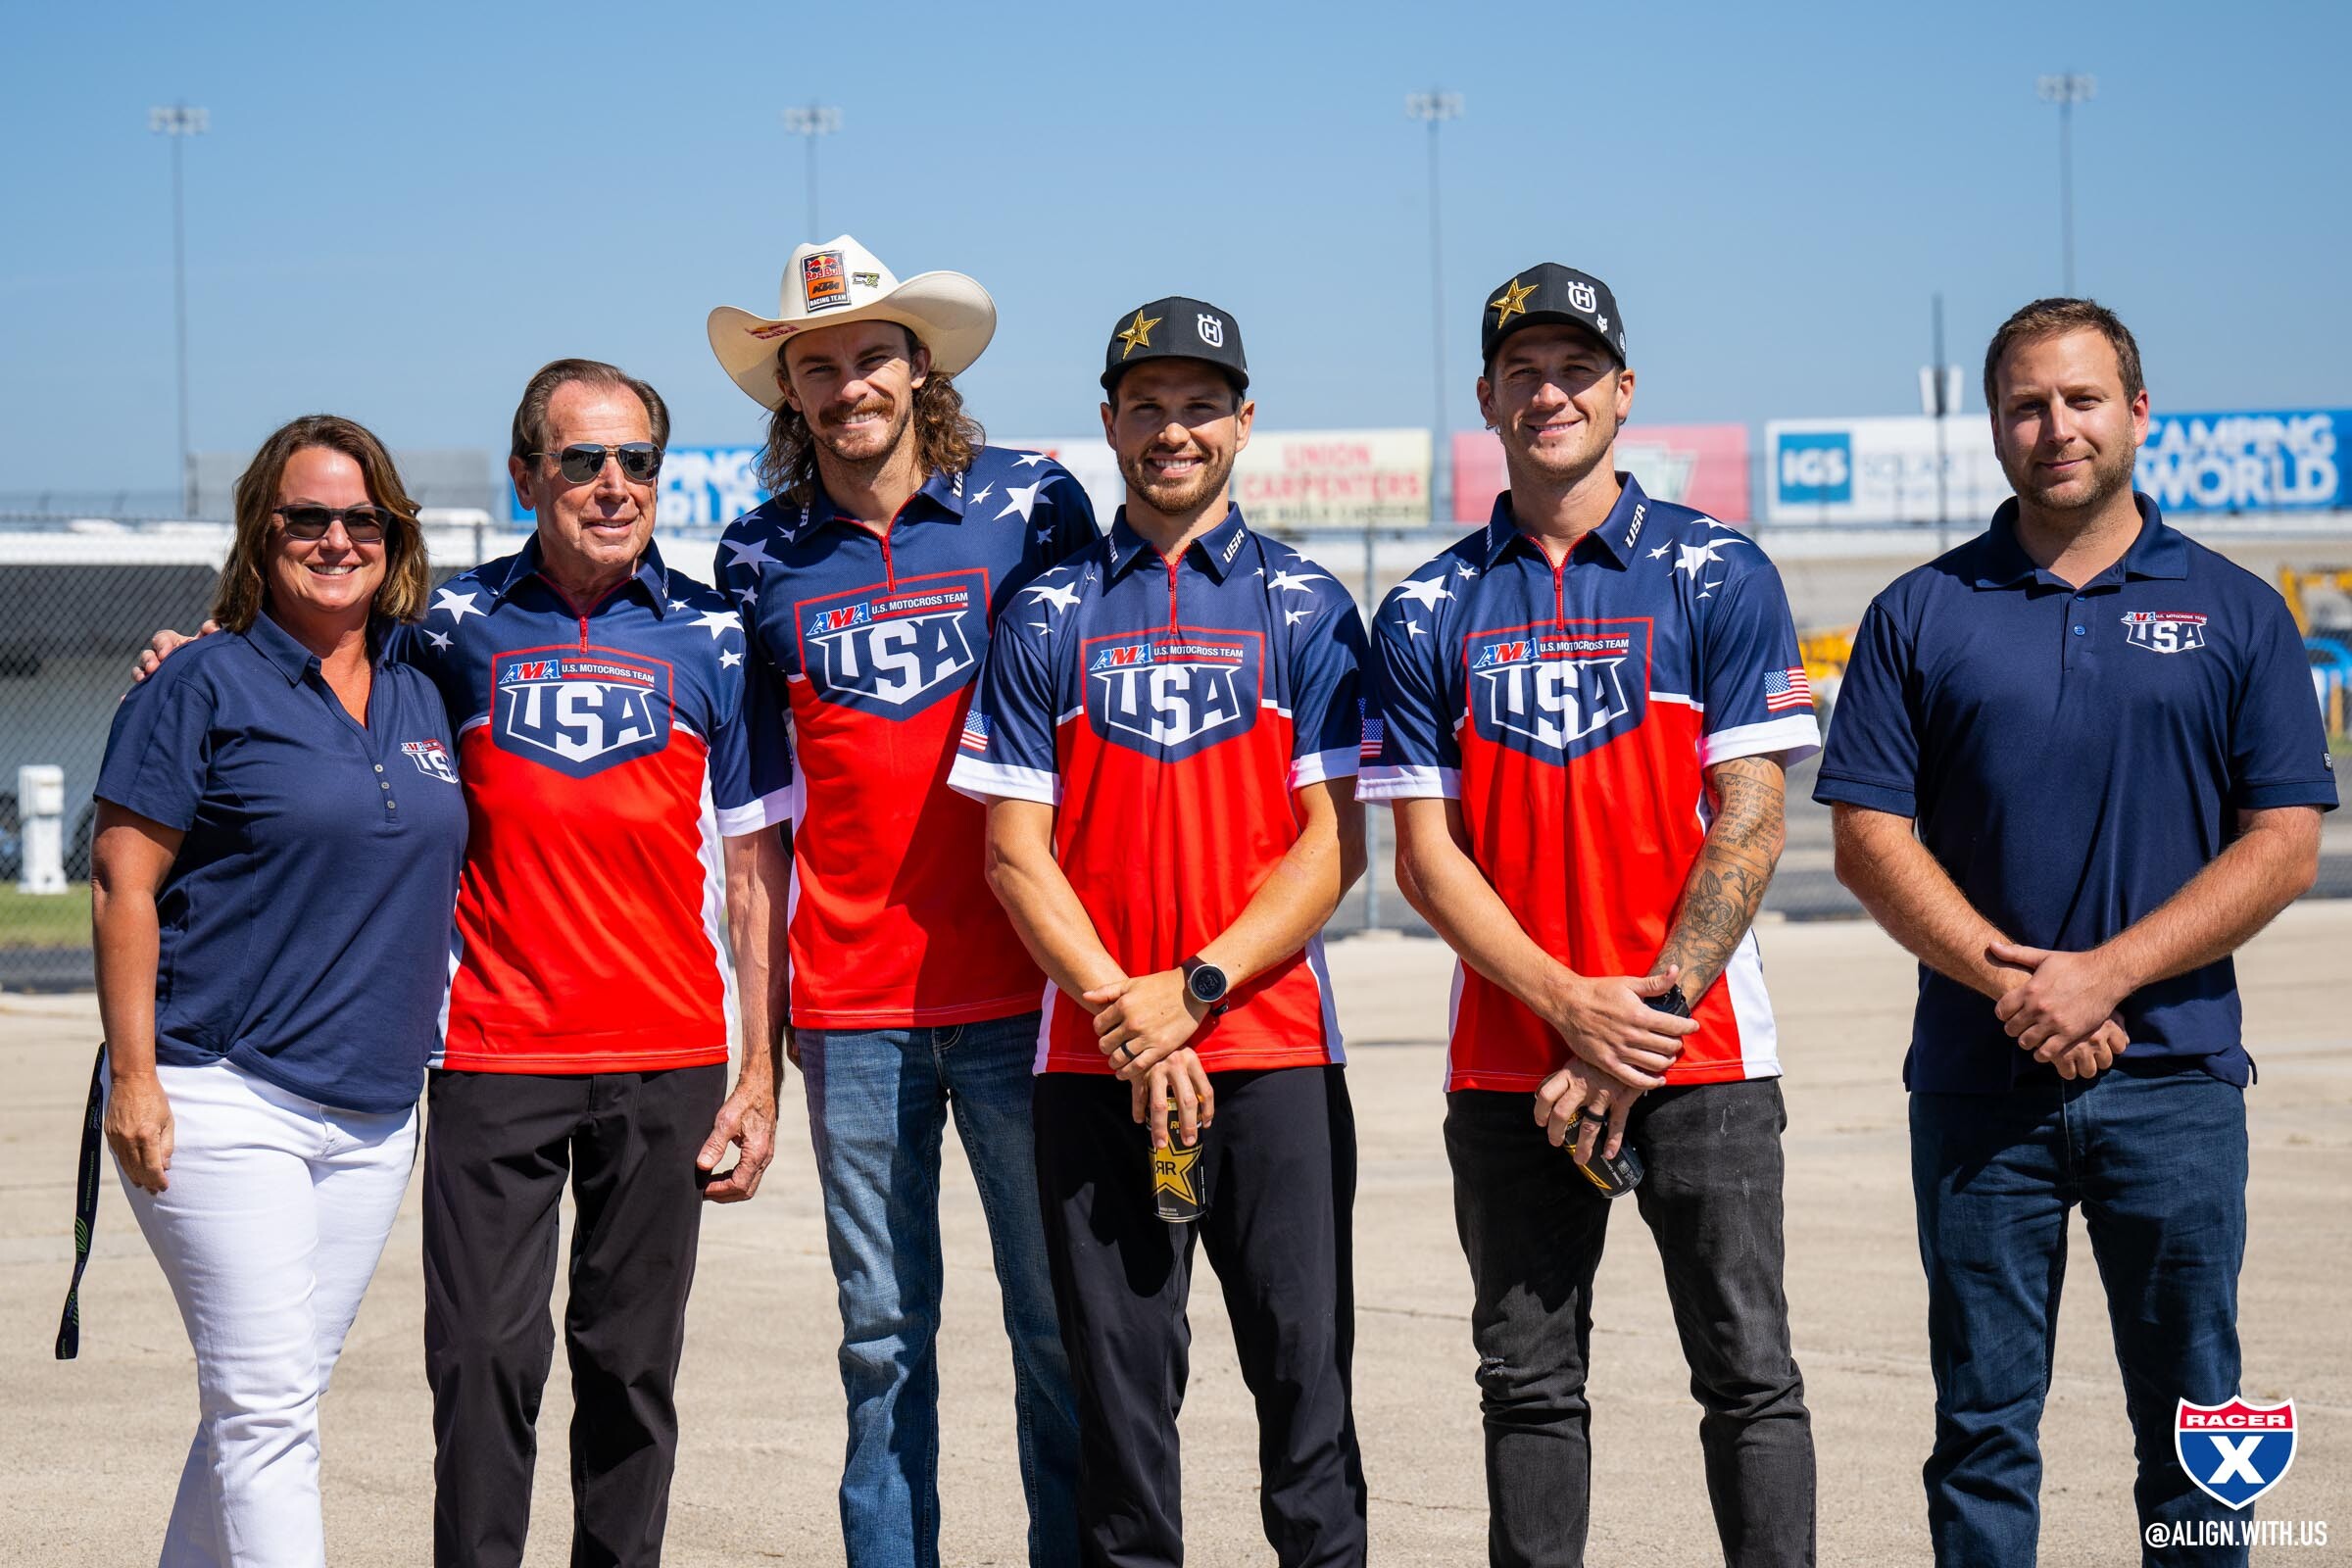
[(868, 587)]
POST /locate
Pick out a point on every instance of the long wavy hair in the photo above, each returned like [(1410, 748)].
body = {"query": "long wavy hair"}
[(947, 439), (408, 575)]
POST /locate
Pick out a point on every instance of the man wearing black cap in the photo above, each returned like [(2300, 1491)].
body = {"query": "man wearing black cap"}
[(1197, 687), (1588, 707)]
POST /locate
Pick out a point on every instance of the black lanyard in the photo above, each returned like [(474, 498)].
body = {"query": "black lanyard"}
[(85, 1207)]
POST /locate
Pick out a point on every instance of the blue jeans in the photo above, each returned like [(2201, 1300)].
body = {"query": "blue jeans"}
[(2158, 1162), (878, 1104)]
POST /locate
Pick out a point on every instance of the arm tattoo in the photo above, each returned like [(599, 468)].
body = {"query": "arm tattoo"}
[(1726, 886)]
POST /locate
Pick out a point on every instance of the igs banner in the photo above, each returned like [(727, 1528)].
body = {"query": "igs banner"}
[(1879, 470), (1703, 466), (2247, 462)]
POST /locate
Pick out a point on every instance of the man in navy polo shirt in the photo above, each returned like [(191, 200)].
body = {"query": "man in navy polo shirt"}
[(2106, 738)]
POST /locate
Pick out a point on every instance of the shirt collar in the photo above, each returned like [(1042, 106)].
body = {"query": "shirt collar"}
[(944, 492), (293, 661), (1614, 537), (526, 563), (1213, 553), (2159, 551)]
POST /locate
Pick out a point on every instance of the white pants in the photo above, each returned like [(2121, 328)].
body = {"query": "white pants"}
[(274, 1217)]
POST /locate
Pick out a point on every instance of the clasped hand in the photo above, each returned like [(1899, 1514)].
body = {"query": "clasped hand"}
[(2064, 1009)]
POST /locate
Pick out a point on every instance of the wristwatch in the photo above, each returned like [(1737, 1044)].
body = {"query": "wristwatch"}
[(1205, 984), (1671, 1001)]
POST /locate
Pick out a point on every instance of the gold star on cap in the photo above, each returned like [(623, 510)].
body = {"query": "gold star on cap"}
[(1172, 1168), (1511, 302), (1137, 334)]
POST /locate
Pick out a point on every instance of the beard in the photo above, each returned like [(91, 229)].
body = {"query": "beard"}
[(1562, 464), (2111, 472), (866, 446), (1176, 498)]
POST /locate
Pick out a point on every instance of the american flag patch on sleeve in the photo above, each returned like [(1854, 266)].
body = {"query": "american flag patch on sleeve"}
[(1785, 689), (975, 732), (1376, 733)]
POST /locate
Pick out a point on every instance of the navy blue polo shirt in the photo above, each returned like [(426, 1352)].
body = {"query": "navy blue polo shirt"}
[(2073, 758), (304, 923)]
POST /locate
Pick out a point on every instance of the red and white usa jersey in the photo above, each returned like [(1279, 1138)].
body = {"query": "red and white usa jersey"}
[(604, 749), (874, 633), (1171, 709), (1573, 712)]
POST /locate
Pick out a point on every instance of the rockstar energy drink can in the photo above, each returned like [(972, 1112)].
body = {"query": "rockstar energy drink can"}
[(1614, 1177), (1176, 1176)]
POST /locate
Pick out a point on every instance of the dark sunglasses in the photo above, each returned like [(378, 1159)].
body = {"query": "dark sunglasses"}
[(583, 460), (363, 526)]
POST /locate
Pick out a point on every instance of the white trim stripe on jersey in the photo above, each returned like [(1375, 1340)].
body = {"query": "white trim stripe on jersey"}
[(1409, 784), (1000, 781), (768, 811), (1335, 1049), (1321, 767), (715, 910), (1795, 738)]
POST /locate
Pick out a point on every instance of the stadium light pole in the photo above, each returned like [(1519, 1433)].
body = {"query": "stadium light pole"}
[(813, 121), (1434, 109), (2066, 90), (177, 124)]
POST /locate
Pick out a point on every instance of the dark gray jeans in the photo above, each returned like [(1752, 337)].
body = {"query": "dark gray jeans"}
[(1533, 1228)]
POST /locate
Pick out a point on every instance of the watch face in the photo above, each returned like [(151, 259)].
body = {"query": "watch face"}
[(1207, 983)]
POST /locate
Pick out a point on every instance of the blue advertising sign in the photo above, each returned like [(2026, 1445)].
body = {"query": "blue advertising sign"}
[(706, 487), (2246, 461), (1815, 468)]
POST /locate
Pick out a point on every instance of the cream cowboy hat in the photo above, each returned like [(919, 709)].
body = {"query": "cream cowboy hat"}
[(841, 281)]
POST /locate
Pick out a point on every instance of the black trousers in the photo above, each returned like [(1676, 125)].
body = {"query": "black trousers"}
[(1532, 1226), (1279, 1179), (497, 1149)]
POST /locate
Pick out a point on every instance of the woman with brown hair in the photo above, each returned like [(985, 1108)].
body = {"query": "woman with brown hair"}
[(280, 830)]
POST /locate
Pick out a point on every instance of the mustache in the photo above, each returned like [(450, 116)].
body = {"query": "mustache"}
[(881, 406)]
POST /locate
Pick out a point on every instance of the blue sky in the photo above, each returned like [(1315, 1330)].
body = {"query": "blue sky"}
[(401, 210)]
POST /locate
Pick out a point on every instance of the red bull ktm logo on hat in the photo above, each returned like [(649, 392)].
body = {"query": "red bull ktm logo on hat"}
[(823, 287)]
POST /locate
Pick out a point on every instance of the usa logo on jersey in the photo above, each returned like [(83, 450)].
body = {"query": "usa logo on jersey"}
[(2164, 631), (1555, 693), (1173, 693), (897, 648), (580, 711), (2237, 1451)]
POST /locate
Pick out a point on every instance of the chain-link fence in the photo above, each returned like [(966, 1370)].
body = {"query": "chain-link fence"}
[(78, 599)]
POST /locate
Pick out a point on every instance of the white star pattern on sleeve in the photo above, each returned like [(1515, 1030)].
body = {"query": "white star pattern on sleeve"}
[(751, 554), (1021, 499), (747, 596), (728, 658), (436, 639), (1292, 617), (1412, 628), (1060, 597), (678, 603), (980, 495), (720, 622), (1030, 459), (1690, 558), (1425, 594), (459, 605), (1296, 583)]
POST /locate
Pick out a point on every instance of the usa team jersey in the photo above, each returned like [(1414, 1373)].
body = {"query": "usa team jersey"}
[(875, 635), (1176, 706), (603, 749), (1572, 712)]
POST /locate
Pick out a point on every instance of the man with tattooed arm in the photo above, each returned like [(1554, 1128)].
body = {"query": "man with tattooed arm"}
[(1587, 707)]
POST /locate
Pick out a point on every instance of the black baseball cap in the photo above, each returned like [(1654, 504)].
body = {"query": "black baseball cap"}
[(1550, 294), (1176, 327)]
